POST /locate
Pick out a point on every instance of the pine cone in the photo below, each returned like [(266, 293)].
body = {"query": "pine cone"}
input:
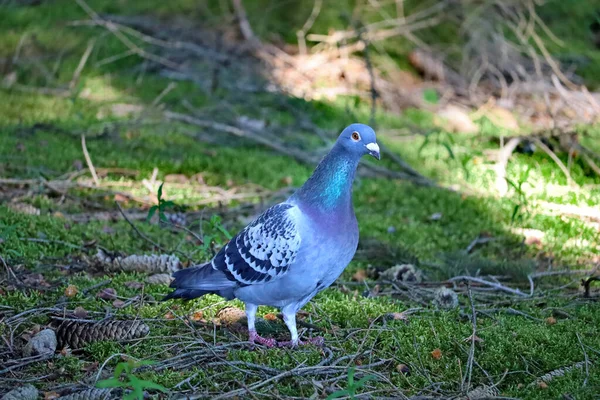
[(89, 394), (406, 273), (230, 315), (25, 392), (24, 208), (153, 263), (445, 298), (483, 392), (77, 334)]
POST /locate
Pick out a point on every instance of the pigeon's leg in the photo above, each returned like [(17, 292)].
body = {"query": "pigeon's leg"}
[(255, 337), (289, 317)]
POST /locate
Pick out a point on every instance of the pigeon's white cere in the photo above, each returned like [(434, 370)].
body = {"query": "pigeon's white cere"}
[(373, 147)]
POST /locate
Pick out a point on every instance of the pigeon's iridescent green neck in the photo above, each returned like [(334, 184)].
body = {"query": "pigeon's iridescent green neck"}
[(330, 186)]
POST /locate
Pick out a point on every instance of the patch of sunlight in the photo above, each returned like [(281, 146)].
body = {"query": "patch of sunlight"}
[(580, 243), (99, 88), (27, 108)]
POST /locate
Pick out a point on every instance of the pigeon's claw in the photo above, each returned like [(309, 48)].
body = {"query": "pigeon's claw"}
[(256, 338)]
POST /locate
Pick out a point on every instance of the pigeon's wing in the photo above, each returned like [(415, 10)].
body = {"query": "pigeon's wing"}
[(264, 250)]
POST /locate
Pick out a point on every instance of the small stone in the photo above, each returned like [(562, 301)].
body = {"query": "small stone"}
[(44, 342), (80, 312), (118, 303), (78, 165), (436, 216), (403, 369)]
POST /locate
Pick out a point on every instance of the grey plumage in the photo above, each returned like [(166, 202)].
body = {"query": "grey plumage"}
[(294, 249)]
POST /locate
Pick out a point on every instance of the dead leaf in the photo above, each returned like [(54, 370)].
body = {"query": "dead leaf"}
[(456, 120), (120, 198), (118, 303), (66, 351), (470, 338), (197, 316), (90, 367), (436, 354), (71, 291), (551, 320), (397, 316), (270, 317), (51, 395), (134, 285), (542, 385), (107, 294), (169, 315), (360, 275), (286, 180), (35, 280)]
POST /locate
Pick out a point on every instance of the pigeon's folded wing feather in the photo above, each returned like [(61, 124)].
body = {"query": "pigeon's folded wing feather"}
[(264, 250)]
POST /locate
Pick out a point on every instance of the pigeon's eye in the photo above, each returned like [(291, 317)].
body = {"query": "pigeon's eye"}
[(355, 136)]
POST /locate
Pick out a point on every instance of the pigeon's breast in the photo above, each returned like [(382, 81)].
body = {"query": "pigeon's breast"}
[(324, 253)]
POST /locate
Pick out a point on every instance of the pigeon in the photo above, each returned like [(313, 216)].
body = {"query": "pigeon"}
[(294, 249)]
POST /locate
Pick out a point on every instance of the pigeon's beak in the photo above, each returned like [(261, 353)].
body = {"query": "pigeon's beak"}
[(373, 150)]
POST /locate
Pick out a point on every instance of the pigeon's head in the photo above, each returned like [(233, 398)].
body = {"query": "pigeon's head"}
[(359, 140)]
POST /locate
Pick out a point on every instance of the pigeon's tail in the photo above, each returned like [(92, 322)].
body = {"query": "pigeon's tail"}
[(190, 283)]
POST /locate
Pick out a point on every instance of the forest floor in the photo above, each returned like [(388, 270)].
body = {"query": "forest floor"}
[(516, 261)]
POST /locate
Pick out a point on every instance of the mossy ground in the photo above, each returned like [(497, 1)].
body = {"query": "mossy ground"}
[(40, 139)]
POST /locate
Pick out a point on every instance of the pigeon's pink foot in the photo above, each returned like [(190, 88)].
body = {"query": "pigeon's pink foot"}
[(256, 338), (317, 341)]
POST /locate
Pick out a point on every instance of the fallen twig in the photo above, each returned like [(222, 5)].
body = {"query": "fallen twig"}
[(88, 160), (495, 285), (140, 234), (471, 356), (557, 160), (586, 284)]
